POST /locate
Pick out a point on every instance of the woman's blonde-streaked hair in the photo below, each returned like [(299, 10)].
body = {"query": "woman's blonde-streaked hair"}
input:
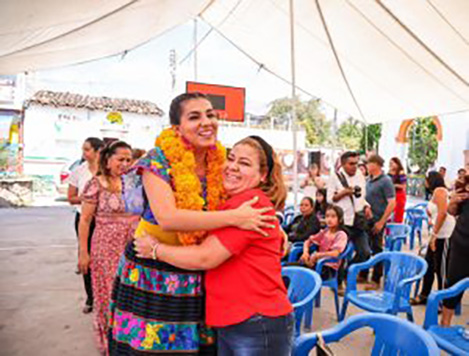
[(274, 185)]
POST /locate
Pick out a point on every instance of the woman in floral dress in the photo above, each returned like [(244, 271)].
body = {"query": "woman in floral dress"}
[(102, 199)]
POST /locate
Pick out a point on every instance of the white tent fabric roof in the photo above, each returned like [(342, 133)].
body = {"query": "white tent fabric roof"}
[(393, 75), (50, 33), (401, 58)]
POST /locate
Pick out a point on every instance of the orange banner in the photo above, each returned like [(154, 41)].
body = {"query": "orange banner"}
[(227, 101)]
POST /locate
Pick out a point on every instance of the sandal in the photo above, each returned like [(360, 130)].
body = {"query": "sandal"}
[(418, 300)]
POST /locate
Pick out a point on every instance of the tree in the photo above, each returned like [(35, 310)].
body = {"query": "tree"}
[(308, 115), (350, 134), (423, 144), (373, 133)]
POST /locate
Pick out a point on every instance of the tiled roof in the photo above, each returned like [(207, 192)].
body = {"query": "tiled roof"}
[(65, 99)]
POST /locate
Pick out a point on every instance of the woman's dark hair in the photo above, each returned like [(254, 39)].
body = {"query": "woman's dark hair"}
[(95, 143), (175, 109), (321, 207), (400, 167), (310, 200), (435, 180), (340, 214), (107, 152)]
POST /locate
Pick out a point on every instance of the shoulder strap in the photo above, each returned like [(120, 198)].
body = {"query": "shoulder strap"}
[(345, 184)]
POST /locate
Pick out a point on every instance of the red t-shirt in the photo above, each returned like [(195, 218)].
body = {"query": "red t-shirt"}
[(250, 281)]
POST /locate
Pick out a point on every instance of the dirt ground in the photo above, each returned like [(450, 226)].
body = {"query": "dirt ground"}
[(41, 296)]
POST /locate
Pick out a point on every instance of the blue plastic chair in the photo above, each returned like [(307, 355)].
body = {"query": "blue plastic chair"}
[(295, 253), (298, 243), (396, 236), (415, 218), (333, 282), (393, 336), (288, 216), (448, 339), (400, 271), (303, 288), (421, 206)]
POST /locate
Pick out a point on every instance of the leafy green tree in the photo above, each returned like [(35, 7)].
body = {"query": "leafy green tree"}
[(373, 133), (308, 115), (350, 134), (423, 144)]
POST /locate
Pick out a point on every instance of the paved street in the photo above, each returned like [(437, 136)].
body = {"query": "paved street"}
[(41, 296)]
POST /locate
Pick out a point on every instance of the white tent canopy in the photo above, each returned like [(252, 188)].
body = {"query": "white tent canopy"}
[(401, 58), (50, 33)]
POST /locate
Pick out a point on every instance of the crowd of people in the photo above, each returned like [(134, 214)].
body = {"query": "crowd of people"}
[(198, 269)]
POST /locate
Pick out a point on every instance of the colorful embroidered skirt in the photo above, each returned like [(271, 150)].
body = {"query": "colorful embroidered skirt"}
[(157, 309)]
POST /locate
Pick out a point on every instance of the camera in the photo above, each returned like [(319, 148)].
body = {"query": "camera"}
[(357, 191)]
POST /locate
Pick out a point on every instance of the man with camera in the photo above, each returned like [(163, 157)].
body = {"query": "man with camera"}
[(347, 188)]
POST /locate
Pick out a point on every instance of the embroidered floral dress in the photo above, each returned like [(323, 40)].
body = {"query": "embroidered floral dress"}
[(156, 308), (113, 230)]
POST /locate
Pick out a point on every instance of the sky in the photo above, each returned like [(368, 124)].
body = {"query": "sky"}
[(144, 73)]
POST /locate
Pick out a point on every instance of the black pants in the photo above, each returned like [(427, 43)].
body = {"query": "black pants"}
[(376, 244), (437, 264), (361, 244), (87, 277), (458, 269)]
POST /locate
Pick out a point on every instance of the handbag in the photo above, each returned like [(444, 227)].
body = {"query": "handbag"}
[(321, 347)]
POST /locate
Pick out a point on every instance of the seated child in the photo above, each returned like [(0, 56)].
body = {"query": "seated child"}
[(331, 243)]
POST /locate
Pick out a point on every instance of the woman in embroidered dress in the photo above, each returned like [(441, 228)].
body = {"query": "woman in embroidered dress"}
[(158, 308), (102, 201)]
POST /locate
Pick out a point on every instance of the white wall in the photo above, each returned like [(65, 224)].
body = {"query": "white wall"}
[(455, 142), (53, 136)]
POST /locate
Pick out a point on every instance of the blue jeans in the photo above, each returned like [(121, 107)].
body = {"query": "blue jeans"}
[(257, 336)]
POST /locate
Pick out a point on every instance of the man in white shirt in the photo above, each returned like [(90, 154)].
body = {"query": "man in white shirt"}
[(347, 188)]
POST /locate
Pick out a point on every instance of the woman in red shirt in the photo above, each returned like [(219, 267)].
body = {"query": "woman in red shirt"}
[(246, 299)]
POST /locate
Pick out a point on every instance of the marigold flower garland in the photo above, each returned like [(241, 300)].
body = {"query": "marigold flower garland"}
[(186, 184)]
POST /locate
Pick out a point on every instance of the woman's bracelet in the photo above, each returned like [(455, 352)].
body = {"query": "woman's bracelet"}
[(154, 251)]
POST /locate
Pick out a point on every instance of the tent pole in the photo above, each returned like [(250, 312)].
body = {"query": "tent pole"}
[(195, 49), (293, 108), (366, 139), (334, 137)]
